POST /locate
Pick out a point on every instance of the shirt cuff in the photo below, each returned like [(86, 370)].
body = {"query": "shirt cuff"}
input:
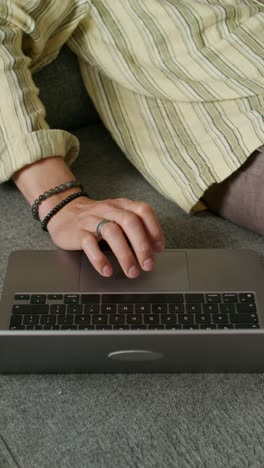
[(29, 148)]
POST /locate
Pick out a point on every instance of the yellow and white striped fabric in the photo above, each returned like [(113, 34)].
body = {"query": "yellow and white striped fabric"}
[(178, 83)]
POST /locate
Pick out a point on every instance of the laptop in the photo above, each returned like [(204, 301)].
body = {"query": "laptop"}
[(198, 310)]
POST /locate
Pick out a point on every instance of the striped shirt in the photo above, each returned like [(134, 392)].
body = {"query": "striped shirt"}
[(178, 83)]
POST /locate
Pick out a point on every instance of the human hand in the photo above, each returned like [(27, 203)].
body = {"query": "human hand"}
[(132, 222)]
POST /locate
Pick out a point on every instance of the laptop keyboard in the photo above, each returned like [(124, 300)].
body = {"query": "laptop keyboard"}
[(153, 311)]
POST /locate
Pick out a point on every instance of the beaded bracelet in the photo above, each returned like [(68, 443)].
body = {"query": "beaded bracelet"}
[(60, 206), (49, 193)]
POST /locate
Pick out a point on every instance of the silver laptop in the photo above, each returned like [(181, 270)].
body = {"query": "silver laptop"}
[(197, 311)]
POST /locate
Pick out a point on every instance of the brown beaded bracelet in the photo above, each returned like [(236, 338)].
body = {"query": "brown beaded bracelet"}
[(60, 206), (60, 188)]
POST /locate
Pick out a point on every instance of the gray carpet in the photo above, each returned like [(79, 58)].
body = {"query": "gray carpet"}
[(109, 421)]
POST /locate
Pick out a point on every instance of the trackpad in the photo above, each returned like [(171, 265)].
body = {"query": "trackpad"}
[(169, 274)]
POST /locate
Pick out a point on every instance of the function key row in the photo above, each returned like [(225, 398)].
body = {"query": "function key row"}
[(138, 298)]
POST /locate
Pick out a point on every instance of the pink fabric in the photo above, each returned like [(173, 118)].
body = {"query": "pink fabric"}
[(240, 197)]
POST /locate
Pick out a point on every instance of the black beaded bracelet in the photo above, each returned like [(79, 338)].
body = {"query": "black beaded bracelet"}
[(60, 188), (58, 207)]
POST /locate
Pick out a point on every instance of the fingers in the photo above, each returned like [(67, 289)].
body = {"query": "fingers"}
[(126, 225), (91, 248), (148, 220), (116, 240), (114, 236)]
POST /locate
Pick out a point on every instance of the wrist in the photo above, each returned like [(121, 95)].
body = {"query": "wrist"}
[(39, 177), (47, 205)]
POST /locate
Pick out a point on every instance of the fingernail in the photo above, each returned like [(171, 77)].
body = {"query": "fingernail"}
[(159, 245), (107, 270), (148, 263), (133, 271)]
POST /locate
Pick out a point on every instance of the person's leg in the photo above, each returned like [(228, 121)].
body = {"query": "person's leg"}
[(240, 197)]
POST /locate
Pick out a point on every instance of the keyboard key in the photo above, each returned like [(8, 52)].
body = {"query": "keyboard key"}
[(74, 309), (227, 308), (91, 308), (90, 298), (210, 308), (220, 318), (151, 319), (142, 308), (230, 297), (159, 308), (246, 297), (55, 297), (109, 308), (58, 309), (99, 319), (177, 308), (15, 322), (113, 319), (169, 318), (210, 298), (48, 320), (246, 307), (243, 318), (141, 298), (38, 299), (125, 308), (122, 298), (193, 308), (65, 319), (173, 298), (134, 318), (194, 298), (71, 299), (31, 320), (186, 318), (30, 309), (22, 297), (82, 319), (203, 318)]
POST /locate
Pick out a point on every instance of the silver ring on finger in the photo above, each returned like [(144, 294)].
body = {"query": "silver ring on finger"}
[(99, 228)]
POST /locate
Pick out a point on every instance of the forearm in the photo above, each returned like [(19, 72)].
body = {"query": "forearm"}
[(39, 177), (25, 136)]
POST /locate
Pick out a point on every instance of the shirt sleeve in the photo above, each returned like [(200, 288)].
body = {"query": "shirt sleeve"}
[(25, 136)]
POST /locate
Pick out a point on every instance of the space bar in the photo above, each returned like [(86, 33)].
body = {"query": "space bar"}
[(139, 298)]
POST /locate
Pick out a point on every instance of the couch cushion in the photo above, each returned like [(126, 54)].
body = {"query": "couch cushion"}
[(63, 94)]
